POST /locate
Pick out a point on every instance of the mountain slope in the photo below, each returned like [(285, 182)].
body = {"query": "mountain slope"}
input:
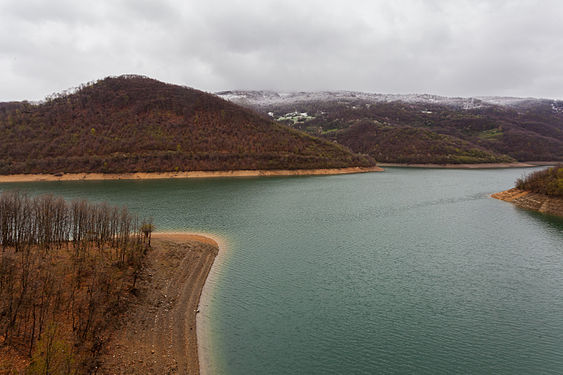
[(413, 145), (137, 124), (452, 130)]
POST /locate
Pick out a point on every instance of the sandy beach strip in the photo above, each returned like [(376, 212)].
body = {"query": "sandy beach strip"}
[(192, 174), (159, 333), (470, 166)]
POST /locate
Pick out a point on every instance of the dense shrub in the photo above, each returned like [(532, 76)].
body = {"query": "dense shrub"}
[(547, 181)]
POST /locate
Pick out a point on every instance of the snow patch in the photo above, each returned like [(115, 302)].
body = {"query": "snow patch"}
[(268, 98)]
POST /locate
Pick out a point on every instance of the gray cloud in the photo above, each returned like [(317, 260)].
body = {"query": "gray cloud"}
[(456, 47)]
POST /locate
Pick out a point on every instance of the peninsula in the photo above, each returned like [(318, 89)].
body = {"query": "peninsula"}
[(540, 191), (88, 288)]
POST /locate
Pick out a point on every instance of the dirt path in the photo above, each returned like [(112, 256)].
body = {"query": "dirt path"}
[(159, 332)]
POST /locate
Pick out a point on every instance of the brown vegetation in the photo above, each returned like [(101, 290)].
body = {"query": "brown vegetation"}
[(402, 132), (66, 272), (136, 124), (539, 191), (547, 181), (414, 145)]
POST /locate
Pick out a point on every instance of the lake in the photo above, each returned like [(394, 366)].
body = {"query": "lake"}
[(405, 271)]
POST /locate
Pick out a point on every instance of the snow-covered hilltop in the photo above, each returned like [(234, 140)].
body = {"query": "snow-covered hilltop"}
[(268, 98)]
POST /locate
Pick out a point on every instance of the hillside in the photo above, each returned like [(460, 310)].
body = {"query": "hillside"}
[(413, 145), (421, 128), (136, 124)]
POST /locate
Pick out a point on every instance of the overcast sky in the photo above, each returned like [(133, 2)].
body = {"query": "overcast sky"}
[(453, 48)]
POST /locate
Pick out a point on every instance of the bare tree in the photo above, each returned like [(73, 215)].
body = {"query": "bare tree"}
[(64, 263)]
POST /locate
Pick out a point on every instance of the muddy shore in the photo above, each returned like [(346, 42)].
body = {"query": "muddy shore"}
[(158, 334)]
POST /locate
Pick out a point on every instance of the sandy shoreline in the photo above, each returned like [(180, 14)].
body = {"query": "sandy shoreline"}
[(204, 322), (194, 174), (527, 164), (160, 334), (202, 318)]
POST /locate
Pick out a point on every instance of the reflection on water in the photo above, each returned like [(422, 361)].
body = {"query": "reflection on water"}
[(551, 221)]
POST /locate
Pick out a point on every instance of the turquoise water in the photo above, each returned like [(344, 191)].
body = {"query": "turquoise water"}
[(406, 271)]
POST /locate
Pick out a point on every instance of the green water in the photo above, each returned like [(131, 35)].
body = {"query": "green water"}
[(406, 271)]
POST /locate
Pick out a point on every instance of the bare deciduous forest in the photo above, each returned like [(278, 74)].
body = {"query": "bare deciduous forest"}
[(400, 132), (414, 145), (137, 124), (67, 270)]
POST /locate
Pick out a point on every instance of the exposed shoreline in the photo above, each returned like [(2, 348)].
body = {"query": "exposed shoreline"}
[(202, 318), (160, 331), (205, 353), (527, 164), (532, 201), (193, 174)]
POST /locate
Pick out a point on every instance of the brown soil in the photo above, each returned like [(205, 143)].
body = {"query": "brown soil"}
[(12, 361), (194, 174), (532, 201), (158, 335)]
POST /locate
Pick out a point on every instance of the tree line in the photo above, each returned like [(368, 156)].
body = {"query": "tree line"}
[(67, 270)]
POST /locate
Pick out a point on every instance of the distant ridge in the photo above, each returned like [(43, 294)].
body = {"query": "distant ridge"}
[(136, 124), (268, 98), (419, 129)]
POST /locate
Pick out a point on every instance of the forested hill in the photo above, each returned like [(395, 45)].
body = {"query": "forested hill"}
[(136, 124), (421, 128)]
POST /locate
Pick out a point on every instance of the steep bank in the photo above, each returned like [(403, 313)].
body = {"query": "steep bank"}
[(532, 201), (194, 174), (158, 335)]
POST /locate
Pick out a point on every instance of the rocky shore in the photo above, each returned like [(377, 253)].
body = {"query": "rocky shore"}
[(532, 201)]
